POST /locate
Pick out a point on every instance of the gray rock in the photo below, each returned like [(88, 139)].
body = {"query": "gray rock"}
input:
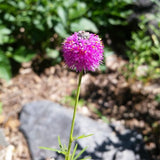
[(142, 7), (144, 3), (43, 121)]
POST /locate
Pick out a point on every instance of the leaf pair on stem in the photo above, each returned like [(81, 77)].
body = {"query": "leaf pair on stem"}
[(63, 149)]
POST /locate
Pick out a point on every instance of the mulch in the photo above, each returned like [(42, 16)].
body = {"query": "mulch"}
[(106, 95)]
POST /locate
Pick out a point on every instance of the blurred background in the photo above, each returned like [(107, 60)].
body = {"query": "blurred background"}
[(125, 88)]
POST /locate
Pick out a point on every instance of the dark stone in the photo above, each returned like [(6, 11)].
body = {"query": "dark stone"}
[(43, 121)]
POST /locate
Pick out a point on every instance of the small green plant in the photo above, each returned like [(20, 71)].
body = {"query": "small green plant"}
[(70, 100), (100, 115), (144, 50), (35, 29), (110, 13), (157, 98), (63, 148)]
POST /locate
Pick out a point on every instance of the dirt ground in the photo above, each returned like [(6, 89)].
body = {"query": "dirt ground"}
[(107, 96)]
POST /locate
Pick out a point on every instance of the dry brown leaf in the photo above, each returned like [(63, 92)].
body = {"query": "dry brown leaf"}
[(12, 123)]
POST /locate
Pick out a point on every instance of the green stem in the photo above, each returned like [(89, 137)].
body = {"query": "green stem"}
[(73, 119)]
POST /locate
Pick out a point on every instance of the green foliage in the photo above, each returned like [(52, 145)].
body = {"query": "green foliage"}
[(4, 35), (29, 28), (23, 55), (82, 136), (157, 98), (104, 118), (64, 150), (5, 69), (144, 50), (70, 100), (109, 13)]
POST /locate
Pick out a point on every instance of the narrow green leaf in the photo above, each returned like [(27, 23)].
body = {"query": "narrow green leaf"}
[(116, 22), (74, 151), (50, 149), (59, 142), (80, 153), (83, 136), (55, 150)]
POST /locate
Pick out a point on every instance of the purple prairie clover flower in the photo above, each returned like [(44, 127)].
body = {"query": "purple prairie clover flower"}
[(83, 51)]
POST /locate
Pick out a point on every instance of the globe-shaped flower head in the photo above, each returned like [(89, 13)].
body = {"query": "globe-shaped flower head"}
[(83, 51)]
